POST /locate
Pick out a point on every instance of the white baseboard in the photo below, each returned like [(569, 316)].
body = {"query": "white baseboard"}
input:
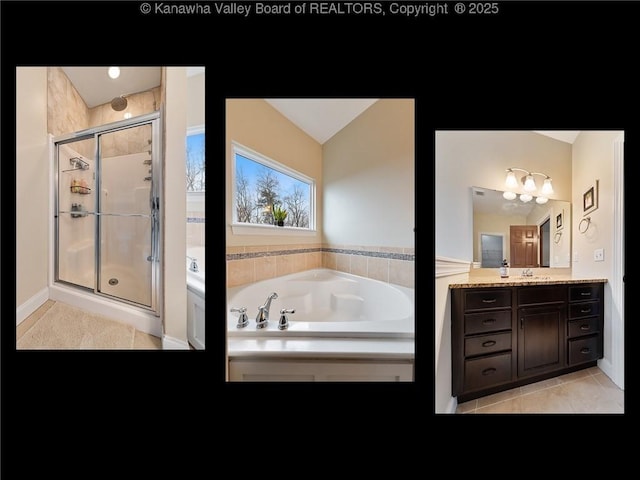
[(171, 343), (31, 305)]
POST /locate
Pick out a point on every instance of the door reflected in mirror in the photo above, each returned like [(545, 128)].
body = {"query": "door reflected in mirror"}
[(527, 235)]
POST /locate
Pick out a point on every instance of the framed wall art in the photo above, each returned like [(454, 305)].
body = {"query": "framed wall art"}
[(590, 199)]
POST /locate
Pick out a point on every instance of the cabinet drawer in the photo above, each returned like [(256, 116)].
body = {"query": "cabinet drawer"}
[(484, 344), (586, 309), (577, 328), (546, 294), (585, 292), (492, 298), (487, 371), (584, 349), (487, 322)]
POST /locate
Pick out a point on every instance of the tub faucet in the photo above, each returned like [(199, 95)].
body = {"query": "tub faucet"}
[(194, 264), (263, 311)]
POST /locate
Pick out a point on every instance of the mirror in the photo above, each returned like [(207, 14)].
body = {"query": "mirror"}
[(527, 235)]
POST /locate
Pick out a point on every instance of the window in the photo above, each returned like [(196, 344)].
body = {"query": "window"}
[(262, 186), (195, 159)]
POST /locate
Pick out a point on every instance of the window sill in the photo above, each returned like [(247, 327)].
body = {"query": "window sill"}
[(242, 229)]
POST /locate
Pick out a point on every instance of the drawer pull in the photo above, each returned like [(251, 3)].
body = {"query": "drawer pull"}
[(585, 327), (489, 321), (493, 300), (585, 350), (588, 310), (489, 371), (586, 294), (489, 343)]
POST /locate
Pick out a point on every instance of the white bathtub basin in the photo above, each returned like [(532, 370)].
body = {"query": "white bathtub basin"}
[(327, 303)]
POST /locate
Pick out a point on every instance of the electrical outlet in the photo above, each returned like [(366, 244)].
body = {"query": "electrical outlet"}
[(598, 255)]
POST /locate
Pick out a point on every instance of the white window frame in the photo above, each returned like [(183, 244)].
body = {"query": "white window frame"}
[(241, 228)]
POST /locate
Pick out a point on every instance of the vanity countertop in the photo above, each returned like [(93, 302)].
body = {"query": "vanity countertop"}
[(517, 280)]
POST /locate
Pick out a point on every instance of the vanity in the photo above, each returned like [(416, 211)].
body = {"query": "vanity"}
[(515, 331)]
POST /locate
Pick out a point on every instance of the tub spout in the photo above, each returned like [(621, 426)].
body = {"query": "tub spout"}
[(263, 311), (194, 264)]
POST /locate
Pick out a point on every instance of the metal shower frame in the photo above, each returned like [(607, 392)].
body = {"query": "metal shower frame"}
[(156, 200)]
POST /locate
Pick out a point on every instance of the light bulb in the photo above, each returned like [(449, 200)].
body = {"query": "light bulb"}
[(114, 72), (509, 195), (530, 184), (511, 181), (541, 200), (547, 188), (525, 197)]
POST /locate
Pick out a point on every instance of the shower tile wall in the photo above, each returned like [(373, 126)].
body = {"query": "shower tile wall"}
[(137, 104), (250, 264), (67, 112)]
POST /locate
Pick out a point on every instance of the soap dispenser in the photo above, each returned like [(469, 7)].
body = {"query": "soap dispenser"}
[(504, 269)]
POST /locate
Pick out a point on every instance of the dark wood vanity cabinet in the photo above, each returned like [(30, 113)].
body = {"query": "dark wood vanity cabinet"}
[(584, 325), (503, 337)]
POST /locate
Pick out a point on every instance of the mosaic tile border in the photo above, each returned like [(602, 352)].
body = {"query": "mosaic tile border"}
[(195, 220), (366, 253)]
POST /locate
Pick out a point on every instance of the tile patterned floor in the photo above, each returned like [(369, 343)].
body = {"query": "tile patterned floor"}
[(82, 327), (584, 391)]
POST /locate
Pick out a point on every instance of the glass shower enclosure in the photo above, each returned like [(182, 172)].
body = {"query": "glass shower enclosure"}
[(107, 199)]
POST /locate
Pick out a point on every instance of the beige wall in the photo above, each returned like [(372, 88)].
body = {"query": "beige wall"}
[(32, 183), (175, 203), (195, 100), (369, 178), (593, 158), (257, 125)]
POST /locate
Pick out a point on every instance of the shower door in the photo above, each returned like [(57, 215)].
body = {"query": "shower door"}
[(75, 217), (126, 219), (107, 222)]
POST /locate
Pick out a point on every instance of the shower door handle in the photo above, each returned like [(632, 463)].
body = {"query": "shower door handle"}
[(154, 233)]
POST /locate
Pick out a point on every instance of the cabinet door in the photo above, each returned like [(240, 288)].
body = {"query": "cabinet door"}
[(540, 339)]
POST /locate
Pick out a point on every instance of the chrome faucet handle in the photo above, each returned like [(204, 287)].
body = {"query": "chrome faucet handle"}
[(283, 324), (243, 321)]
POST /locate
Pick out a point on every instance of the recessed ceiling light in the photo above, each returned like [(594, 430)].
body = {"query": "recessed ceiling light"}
[(114, 72)]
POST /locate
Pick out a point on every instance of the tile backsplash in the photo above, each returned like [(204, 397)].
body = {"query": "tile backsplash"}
[(248, 264)]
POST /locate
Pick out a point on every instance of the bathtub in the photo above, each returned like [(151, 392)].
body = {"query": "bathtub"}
[(328, 304), (195, 299)]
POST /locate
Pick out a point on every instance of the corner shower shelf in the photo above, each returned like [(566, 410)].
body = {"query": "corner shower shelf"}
[(80, 189)]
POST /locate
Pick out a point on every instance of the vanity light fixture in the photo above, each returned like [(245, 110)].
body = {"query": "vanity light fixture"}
[(529, 186), (114, 72)]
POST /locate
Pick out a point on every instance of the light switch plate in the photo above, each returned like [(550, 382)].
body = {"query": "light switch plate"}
[(598, 255), (575, 256)]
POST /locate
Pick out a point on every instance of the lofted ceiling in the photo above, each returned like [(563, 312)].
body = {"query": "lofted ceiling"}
[(568, 136), (321, 118), (96, 87)]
